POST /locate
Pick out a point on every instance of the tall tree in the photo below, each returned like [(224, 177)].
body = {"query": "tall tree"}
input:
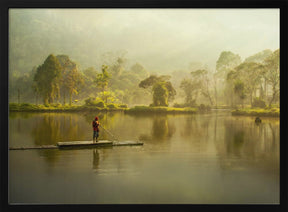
[(159, 85), (191, 90), (47, 77), (73, 83), (260, 57), (202, 78), (102, 79), (160, 94), (272, 73), (71, 79), (225, 63), (250, 74), (239, 90)]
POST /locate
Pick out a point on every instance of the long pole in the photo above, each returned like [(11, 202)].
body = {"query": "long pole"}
[(109, 133)]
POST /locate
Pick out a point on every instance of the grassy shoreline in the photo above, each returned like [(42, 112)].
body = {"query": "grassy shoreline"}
[(25, 107), (166, 110), (272, 112)]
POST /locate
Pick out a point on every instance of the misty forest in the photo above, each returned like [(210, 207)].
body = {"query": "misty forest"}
[(44, 71)]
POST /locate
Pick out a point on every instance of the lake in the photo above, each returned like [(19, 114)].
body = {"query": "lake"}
[(211, 158)]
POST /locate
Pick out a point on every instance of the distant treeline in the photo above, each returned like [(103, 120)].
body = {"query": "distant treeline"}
[(234, 83)]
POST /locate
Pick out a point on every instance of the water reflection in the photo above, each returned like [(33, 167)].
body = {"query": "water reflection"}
[(96, 159), (232, 137), (251, 143), (162, 129), (203, 154), (52, 128)]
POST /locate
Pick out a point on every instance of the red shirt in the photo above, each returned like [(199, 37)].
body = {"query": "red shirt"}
[(95, 125)]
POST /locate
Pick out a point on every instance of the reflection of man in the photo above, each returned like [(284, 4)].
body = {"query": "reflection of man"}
[(95, 125), (95, 159)]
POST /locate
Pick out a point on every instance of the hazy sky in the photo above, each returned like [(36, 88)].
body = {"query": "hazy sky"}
[(169, 39)]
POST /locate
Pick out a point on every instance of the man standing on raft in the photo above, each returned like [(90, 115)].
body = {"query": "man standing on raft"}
[(95, 125)]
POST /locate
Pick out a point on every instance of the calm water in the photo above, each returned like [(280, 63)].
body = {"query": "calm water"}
[(195, 159)]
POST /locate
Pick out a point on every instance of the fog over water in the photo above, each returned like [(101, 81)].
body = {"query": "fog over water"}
[(162, 40)]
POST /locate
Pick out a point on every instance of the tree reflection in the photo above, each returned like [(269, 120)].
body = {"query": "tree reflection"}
[(52, 128), (161, 128), (250, 142)]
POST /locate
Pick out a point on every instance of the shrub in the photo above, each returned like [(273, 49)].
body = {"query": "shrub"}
[(257, 102), (111, 106), (56, 105), (99, 104), (94, 102)]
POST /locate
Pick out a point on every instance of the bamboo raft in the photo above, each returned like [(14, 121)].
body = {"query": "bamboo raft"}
[(82, 144)]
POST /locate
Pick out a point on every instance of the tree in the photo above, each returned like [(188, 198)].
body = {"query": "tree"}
[(191, 90), (47, 77), (239, 89), (225, 63), (102, 79), (250, 74), (202, 79), (71, 79), (139, 70), (259, 57), (159, 86), (160, 94), (272, 73), (73, 82)]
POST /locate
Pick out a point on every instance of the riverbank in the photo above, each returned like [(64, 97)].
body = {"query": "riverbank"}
[(272, 112), (169, 110), (26, 107)]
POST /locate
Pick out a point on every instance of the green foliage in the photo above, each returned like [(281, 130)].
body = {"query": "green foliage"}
[(250, 74), (47, 77), (162, 89), (239, 89), (94, 102), (274, 112), (160, 94), (102, 79), (272, 73), (157, 110), (71, 79), (111, 106), (148, 82)]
